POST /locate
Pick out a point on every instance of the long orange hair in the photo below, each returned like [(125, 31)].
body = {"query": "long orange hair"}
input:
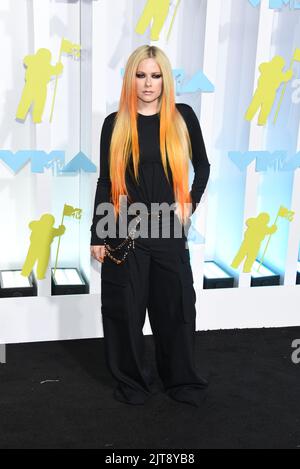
[(174, 137)]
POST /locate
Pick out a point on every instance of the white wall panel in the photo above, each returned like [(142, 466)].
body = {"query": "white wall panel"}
[(225, 39)]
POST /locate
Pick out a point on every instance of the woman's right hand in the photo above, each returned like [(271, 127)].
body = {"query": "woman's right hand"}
[(98, 252)]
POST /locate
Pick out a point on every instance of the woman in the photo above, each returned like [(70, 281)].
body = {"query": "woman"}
[(144, 155)]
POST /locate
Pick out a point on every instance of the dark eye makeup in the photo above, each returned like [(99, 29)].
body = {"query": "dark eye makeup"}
[(142, 75)]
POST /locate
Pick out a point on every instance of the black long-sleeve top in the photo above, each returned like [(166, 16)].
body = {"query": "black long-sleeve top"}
[(153, 185)]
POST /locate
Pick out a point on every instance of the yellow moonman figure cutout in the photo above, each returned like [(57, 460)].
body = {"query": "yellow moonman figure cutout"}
[(271, 77), (38, 74), (158, 10), (43, 233), (256, 232)]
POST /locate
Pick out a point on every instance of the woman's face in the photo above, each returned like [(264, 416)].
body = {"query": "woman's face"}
[(148, 78)]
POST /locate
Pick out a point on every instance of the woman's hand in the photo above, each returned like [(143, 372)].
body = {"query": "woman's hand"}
[(98, 252)]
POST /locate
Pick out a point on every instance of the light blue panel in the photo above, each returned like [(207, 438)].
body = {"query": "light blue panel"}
[(230, 192), (234, 86), (66, 190), (275, 187), (274, 191)]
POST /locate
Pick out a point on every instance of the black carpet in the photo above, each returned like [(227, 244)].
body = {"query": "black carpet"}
[(59, 395)]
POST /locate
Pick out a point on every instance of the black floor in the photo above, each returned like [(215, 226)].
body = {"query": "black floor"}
[(59, 395)]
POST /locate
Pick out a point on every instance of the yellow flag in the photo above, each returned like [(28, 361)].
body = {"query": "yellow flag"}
[(69, 48), (297, 55), (286, 213), (70, 211)]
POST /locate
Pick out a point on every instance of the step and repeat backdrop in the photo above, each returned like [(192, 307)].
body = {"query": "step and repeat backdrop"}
[(237, 63)]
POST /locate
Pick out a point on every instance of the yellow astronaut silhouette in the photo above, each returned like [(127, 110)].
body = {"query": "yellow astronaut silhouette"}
[(38, 74), (271, 77), (41, 238), (257, 230), (158, 10)]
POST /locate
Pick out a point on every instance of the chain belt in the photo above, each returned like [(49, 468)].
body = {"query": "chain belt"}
[(128, 242)]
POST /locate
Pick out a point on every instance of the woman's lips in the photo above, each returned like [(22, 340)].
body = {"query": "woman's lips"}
[(147, 92)]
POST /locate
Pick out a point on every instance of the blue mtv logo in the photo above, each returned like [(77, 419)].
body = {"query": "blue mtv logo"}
[(254, 3), (278, 4), (40, 160)]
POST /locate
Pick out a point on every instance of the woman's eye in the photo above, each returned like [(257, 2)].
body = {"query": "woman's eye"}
[(153, 76)]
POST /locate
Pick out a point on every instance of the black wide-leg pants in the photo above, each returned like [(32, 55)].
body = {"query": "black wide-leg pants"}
[(156, 276)]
